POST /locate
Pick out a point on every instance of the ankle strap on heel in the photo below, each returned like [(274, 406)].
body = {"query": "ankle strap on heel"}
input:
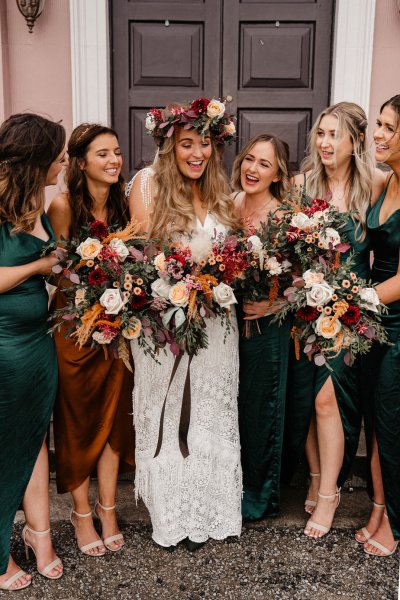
[(105, 507), (45, 532), (329, 496), (82, 515), (315, 474), (380, 506)]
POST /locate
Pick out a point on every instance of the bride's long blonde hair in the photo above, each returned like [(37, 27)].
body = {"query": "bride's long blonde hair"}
[(173, 210), (353, 121)]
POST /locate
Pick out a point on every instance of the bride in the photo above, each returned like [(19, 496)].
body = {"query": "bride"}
[(185, 408)]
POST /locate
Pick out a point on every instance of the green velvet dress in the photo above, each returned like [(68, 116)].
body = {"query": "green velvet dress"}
[(28, 377), (262, 392), (305, 381), (381, 375)]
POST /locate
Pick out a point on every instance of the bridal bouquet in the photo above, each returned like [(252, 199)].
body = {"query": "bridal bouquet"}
[(334, 310), (193, 284)]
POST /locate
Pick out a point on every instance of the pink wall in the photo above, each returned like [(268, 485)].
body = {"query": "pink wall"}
[(385, 81), (39, 64)]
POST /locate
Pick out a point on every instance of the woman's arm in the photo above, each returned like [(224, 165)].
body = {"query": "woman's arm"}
[(11, 277), (379, 179), (59, 213), (263, 308), (389, 290)]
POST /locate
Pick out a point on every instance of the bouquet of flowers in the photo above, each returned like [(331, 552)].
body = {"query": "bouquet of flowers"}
[(310, 229), (334, 311), (193, 284), (269, 270)]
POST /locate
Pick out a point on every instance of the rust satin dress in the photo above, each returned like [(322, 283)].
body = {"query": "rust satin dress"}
[(93, 407)]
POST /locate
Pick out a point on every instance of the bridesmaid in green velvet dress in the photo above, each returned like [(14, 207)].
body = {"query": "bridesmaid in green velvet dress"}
[(382, 373), (261, 173), (31, 156), (323, 407)]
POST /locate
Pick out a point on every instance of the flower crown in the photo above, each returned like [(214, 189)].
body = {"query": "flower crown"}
[(202, 114)]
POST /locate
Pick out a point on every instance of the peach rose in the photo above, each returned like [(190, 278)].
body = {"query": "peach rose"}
[(159, 262), (132, 329), (178, 294), (215, 109), (327, 327), (90, 248)]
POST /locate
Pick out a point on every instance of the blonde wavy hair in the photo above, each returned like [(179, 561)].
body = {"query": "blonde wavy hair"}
[(353, 121), (278, 188), (173, 201)]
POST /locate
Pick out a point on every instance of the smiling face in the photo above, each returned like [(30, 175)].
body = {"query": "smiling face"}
[(387, 137), (334, 148), (259, 168), (103, 160), (192, 152), (56, 168)]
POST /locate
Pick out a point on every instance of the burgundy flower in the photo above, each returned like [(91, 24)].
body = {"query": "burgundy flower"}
[(138, 301), (157, 114), (98, 229), (351, 316), (178, 258), (318, 204), (97, 277), (308, 313), (199, 106)]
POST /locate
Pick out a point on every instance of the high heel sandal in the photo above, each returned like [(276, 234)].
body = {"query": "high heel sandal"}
[(96, 544), (322, 528), (111, 538), (45, 572), (385, 551), (8, 583), (364, 531), (311, 504)]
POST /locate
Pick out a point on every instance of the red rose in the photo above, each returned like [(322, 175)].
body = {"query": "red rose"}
[(98, 229), (199, 105), (351, 316), (156, 113), (308, 313), (318, 204), (177, 258), (97, 277)]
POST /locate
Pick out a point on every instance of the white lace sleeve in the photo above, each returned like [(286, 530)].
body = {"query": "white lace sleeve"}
[(145, 186)]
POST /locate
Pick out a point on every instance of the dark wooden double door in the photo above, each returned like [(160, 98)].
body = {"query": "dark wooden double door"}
[(272, 57)]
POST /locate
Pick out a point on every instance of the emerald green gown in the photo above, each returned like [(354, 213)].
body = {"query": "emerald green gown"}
[(28, 377), (381, 373), (305, 381), (262, 392)]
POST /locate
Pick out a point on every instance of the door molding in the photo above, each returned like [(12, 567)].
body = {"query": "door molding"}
[(90, 62), (90, 58), (352, 51)]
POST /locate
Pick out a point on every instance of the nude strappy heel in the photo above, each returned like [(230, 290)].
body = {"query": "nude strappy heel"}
[(364, 531), (384, 552), (8, 583), (111, 538), (45, 572), (322, 528), (309, 505), (96, 544)]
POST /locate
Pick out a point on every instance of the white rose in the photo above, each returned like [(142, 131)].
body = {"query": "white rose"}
[(286, 265), (301, 221), (370, 299), (311, 277), (216, 109), (159, 262), (120, 248), (230, 128), (329, 238), (89, 249), (160, 288), (256, 243), (178, 294), (101, 338), (273, 266), (224, 295), (327, 327), (112, 301), (150, 122), (319, 294), (320, 216)]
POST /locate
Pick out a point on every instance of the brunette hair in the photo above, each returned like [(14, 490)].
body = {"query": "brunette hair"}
[(80, 200), (353, 121), (173, 210), (29, 144), (393, 103), (278, 188)]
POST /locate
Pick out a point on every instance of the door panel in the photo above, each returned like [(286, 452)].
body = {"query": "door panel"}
[(272, 57)]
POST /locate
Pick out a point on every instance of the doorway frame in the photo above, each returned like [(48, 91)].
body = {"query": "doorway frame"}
[(90, 35)]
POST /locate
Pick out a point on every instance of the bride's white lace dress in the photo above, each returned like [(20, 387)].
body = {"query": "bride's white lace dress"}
[(198, 496)]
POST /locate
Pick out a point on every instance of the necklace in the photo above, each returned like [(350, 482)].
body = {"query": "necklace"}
[(258, 208)]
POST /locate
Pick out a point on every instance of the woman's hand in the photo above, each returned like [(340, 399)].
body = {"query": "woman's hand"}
[(263, 308), (45, 264)]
